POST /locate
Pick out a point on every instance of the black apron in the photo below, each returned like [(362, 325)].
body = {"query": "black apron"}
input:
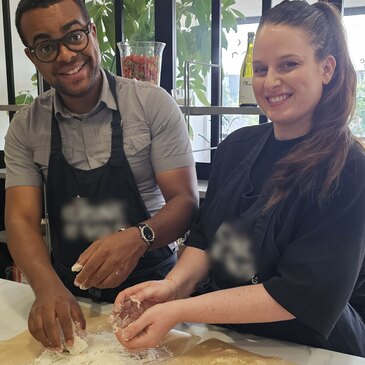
[(85, 205), (235, 203)]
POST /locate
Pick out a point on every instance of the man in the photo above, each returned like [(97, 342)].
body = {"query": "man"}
[(106, 185)]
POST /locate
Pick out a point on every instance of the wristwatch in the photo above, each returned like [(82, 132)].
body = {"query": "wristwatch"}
[(147, 233)]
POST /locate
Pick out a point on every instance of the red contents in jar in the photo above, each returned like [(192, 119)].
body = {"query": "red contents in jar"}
[(140, 67)]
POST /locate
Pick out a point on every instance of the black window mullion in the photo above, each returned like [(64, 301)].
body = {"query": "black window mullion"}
[(266, 5), (216, 58), (165, 31), (8, 55), (119, 32)]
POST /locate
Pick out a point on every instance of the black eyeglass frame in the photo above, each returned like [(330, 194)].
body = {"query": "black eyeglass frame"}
[(32, 50)]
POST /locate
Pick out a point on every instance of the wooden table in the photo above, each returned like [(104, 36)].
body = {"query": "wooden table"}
[(16, 300)]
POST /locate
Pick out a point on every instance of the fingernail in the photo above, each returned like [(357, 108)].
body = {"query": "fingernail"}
[(126, 335), (76, 283), (82, 287), (58, 349), (69, 343), (76, 267)]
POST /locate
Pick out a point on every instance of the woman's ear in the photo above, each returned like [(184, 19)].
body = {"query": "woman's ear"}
[(329, 67)]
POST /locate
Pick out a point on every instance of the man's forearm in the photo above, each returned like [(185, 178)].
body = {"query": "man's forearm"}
[(30, 253), (173, 220), (180, 189)]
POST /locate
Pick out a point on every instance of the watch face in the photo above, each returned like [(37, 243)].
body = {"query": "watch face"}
[(148, 233)]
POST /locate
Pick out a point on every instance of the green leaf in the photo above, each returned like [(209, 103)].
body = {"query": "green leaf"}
[(228, 3), (24, 97), (238, 14), (109, 25), (179, 84), (229, 20), (188, 20), (202, 97)]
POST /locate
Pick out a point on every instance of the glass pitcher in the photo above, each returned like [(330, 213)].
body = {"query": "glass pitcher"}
[(141, 60)]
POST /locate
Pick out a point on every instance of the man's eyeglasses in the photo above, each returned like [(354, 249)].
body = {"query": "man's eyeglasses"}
[(75, 41)]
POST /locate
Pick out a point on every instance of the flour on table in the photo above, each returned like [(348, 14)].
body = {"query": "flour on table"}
[(103, 349)]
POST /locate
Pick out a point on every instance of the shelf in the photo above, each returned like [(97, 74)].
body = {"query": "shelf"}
[(11, 108), (194, 110), (219, 110), (202, 184)]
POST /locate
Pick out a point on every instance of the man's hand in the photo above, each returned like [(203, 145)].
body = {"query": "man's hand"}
[(109, 261), (54, 309)]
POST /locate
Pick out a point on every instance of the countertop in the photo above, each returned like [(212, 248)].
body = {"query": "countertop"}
[(16, 300)]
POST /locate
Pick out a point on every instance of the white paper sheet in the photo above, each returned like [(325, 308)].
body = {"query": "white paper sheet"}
[(16, 301)]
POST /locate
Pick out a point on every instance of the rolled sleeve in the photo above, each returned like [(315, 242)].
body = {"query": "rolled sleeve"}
[(20, 168), (170, 144)]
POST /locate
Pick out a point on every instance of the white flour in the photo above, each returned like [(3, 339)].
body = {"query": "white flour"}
[(103, 349)]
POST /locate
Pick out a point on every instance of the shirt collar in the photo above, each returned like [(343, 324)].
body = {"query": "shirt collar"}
[(105, 99)]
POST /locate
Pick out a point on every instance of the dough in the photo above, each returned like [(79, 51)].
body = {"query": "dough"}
[(79, 346)]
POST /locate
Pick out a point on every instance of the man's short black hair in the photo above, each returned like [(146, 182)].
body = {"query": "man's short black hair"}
[(26, 5)]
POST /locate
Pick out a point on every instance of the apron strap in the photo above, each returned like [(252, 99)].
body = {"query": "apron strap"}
[(56, 141), (117, 150)]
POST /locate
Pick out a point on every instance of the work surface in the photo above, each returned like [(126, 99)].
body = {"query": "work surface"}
[(17, 347)]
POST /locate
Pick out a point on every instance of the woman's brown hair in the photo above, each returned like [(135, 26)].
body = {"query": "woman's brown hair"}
[(314, 166)]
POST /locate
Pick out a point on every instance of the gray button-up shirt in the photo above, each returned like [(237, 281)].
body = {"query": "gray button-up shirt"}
[(154, 131)]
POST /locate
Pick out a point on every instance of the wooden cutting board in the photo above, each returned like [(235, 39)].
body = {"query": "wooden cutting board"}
[(216, 352), (24, 349)]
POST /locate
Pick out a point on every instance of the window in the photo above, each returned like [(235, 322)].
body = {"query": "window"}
[(25, 84), (232, 59), (194, 29), (354, 19)]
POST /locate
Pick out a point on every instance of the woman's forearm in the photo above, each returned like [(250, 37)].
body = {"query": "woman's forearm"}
[(191, 268), (248, 304)]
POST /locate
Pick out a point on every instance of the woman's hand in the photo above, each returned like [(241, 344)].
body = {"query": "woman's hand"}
[(158, 291), (151, 327), (150, 295)]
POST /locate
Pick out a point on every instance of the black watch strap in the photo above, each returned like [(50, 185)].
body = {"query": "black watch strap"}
[(147, 233)]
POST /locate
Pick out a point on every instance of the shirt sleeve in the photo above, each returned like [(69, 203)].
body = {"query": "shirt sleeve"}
[(20, 168), (318, 270), (170, 142)]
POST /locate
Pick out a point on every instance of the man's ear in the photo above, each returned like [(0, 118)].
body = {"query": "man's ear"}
[(93, 29), (329, 67), (29, 54)]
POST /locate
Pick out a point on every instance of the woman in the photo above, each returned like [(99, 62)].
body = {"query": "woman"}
[(278, 246)]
